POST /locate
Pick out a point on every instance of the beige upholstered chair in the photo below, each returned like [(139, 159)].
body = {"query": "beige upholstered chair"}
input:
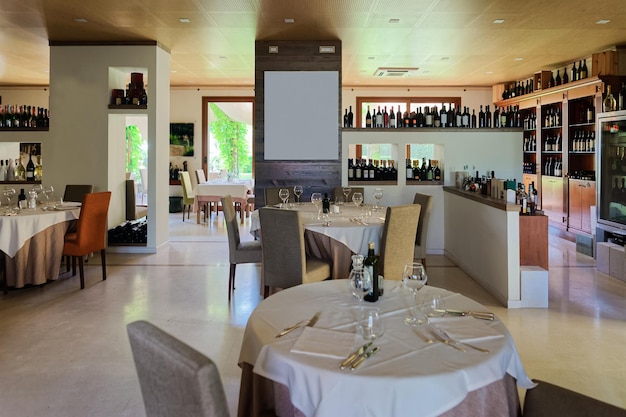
[(338, 191), (76, 192), (398, 240), (200, 177), (272, 198), (548, 400), (175, 379), (426, 201), (189, 197), (238, 252), (285, 263)]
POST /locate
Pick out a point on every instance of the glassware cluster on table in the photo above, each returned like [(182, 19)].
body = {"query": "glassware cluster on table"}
[(38, 196)]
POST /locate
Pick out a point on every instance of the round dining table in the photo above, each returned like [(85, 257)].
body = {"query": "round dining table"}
[(346, 231), (31, 243), (414, 373)]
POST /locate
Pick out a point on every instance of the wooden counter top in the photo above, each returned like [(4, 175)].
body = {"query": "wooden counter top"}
[(483, 199)]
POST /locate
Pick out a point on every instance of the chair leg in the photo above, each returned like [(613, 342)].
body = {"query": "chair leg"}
[(104, 264), (67, 263), (74, 266), (266, 291), (231, 280), (82, 271)]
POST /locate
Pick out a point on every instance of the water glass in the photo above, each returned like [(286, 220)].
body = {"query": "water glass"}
[(370, 325), (435, 307), (357, 199)]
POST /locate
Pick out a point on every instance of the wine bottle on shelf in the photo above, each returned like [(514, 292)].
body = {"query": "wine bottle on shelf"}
[(393, 172), (487, 117), (20, 198), (365, 172), (621, 98), (3, 171), (392, 119), (503, 118), (372, 171), (20, 171), (451, 118), (385, 118), (481, 117), (345, 119), (615, 192), (466, 117), (590, 113), (473, 119), (38, 169), (443, 116), (358, 172), (428, 116), (437, 171), (350, 170), (379, 118), (436, 117), (370, 264), (574, 72), (558, 77), (350, 118), (609, 103), (584, 72), (368, 118), (407, 118), (458, 117), (552, 81), (565, 76), (409, 169), (622, 198), (399, 118), (496, 117), (421, 117), (30, 168)]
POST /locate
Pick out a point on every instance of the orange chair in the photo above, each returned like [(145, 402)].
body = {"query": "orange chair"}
[(90, 235)]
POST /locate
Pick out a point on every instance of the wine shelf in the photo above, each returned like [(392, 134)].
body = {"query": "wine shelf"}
[(128, 106)]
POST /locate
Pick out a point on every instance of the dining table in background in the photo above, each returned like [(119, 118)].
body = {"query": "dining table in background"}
[(212, 191), (407, 377), (31, 243), (346, 234)]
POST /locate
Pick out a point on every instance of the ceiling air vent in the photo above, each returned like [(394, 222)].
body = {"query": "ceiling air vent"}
[(395, 72)]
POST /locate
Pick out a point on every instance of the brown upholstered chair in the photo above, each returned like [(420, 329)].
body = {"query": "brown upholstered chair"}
[(189, 197), (272, 198), (548, 400), (238, 252), (90, 235), (75, 192), (398, 240), (285, 263), (175, 379), (426, 201)]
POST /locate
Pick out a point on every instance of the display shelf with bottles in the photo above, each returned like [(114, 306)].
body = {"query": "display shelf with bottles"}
[(364, 171), (581, 138), (25, 168), (134, 94), (551, 140), (19, 118)]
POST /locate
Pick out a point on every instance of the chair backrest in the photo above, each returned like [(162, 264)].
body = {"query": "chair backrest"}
[(282, 240), (91, 229), (338, 191), (176, 380), (75, 192), (272, 198), (200, 177), (426, 201), (397, 243), (548, 400), (131, 200), (185, 181), (232, 228)]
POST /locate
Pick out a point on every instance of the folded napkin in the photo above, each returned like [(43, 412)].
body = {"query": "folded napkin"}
[(465, 329), (324, 342)]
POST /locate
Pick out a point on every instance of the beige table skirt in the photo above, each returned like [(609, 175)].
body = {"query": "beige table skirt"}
[(39, 259), (327, 248), (261, 397)]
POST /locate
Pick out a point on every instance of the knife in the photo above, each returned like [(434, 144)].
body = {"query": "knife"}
[(362, 357), (447, 336), (441, 339), (311, 322), (476, 314), (348, 361)]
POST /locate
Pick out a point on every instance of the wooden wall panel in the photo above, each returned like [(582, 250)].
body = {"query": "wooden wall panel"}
[(314, 176)]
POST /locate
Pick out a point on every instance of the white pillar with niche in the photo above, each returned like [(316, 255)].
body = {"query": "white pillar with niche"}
[(87, 139)]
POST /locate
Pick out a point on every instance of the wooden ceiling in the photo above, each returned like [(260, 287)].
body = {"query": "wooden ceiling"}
[(452, 42)]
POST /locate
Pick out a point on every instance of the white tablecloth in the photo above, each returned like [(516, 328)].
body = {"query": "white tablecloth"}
[(16, 230), (408, 377), (236, 190), (352, 234)]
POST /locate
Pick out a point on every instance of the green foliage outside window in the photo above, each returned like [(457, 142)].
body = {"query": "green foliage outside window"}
[(230, 135)]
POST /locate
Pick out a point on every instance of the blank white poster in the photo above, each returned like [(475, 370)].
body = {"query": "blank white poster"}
[(301, 115)]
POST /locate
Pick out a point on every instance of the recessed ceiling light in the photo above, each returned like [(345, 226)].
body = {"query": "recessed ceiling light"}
[(172, 70), (519, 59), (394, 20), (289, 20), (602, 22), (80, 20), (184, 20), (498, 21)]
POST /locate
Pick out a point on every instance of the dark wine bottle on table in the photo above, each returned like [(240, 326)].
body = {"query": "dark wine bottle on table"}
[(370, 264)]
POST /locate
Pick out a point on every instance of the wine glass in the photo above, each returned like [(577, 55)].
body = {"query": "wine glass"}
[(378, 195), (316, 199), (47, 192), (357, 199), (413, 279), (297, 191), (436, 307), (346, 192), (9, 195), (283, 193)]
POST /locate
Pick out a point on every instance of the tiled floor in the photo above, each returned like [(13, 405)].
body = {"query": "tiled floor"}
[(64, 352)]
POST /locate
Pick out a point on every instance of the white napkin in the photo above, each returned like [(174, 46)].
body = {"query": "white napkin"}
[(465, 329), (324, 342)]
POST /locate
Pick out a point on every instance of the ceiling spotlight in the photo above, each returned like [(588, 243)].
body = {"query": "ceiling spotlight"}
[(394, 20), (273, 49), (489, 72), (289, 20), (327, 49), (498, 21), (80, 20), (602, 22), (184, 20), (519, 59)]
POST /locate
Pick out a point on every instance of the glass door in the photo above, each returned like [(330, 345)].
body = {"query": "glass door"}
[(612, 169)]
